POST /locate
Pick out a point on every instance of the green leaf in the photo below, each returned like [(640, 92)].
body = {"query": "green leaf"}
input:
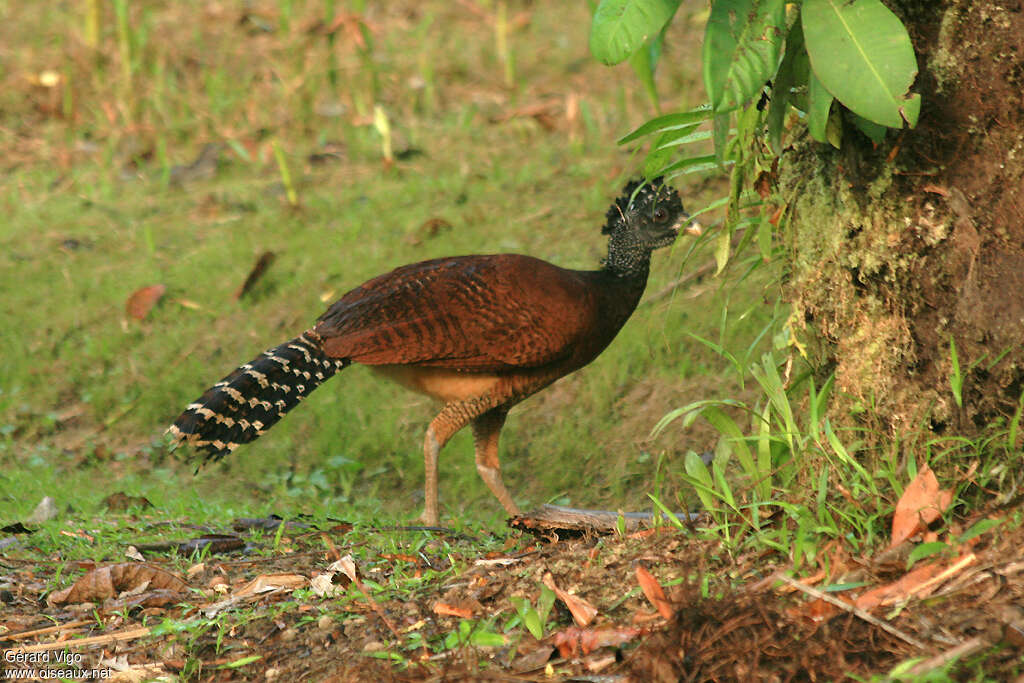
[(484, 638), (785, 81), (874, 131), (239, 663), (764, 237), (732, 434), (742, 44), (842, 587), (685, 138), (978, 529), (834, 127), (663, 150), (691, 165), (621, 27), (819, 101), (722, 245), (862, 53), (544, 603), (531, 619), (1011, 434), (643, 67), (927, 550), (720, 135), (762, 477), (532, 622), (385, 654), (672, 517), (956, 380), (645, 61), (698, 472), (169, 626), (668, 122)]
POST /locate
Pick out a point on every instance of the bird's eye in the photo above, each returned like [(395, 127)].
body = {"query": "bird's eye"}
[(660, 214)]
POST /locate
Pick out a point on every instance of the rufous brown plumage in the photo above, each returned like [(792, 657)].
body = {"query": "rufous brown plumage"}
[(478, 333)]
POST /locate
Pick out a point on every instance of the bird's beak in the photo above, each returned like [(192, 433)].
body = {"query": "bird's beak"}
[(691, 226)]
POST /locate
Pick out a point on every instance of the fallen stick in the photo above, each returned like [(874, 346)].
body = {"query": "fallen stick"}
[(964, 649), (559, 518), (130, 634), (856, 611), (21, 635)]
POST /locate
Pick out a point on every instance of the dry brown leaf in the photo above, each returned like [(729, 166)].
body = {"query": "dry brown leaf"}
[(654, 592), (142, 301), (323, 586), (107, 582), (354, 24), (255, 273), (574, 641), (920, 505), (644, 617), (329, 584), (899, 590), (817, 610), (582, 611), (400, 557), (430, 228), (270, 582), (188, 303), (347, 566), (935, 189), (534, 659), (445, 609)]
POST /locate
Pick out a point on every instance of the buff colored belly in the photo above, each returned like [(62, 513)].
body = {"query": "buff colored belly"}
[(440, 383)]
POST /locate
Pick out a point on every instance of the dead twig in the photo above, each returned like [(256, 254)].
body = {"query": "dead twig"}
[(49, 629), (964, 649), (130, 634), (856, 611)]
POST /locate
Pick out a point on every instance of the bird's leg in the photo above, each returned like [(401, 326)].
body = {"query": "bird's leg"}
[(486, 429), (451, 419), (431, 448)]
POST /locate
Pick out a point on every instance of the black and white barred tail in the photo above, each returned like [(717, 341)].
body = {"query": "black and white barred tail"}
[(244, 405)]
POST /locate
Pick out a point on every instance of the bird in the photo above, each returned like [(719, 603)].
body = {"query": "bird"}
[(479, 333)]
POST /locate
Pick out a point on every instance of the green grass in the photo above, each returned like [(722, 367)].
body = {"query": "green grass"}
[(91, 217)]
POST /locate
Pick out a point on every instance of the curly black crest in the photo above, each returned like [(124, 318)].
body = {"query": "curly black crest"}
[(639, 198)]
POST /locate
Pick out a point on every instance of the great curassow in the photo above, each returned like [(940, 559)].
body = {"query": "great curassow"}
[(479, 333)]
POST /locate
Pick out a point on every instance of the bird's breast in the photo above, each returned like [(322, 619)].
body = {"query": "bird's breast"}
[(442, 384)]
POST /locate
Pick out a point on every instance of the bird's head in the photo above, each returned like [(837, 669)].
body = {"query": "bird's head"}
[(646, 217)]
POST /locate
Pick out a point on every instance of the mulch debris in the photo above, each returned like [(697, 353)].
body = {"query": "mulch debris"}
[(337, 604)]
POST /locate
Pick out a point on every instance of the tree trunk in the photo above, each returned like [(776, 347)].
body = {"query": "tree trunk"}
[(900, 249)]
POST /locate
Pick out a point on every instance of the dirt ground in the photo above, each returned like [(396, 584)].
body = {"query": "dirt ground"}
[(247, 612)]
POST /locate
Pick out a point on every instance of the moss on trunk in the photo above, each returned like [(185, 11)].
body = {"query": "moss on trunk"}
[(899, 248)]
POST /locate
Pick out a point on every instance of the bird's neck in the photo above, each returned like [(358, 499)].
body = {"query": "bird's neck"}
[(631, 264), (623, 286), (627, 258)]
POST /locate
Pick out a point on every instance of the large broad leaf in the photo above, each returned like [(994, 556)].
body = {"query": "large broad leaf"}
[(621, 27), (862, 54), (742, 44)]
